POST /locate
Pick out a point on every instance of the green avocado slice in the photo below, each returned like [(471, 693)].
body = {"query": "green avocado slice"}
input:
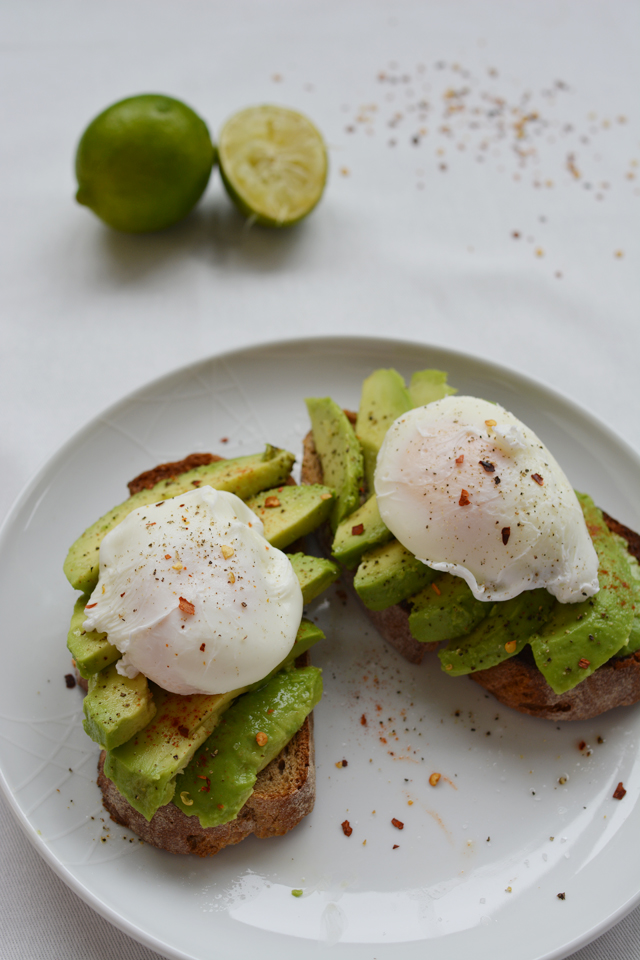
[(502, 634), (340, 454), (91, 651), (145, 767), (290, 512), (244, 476), (383, 399), (116, 707), (314, 574), (429, 385), (579, 637), (388, 574), (220, 778), (446, 609), (362, 530)]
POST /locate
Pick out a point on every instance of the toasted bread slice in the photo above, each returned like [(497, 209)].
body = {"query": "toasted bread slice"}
[(515, 682), (284, 793)]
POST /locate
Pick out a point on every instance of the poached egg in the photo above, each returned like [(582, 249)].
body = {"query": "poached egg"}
[(193, 596), (470, 490)]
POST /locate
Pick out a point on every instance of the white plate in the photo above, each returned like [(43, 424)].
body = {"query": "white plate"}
[(447, 891)]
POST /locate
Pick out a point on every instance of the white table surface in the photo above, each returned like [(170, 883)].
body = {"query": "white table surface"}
[(510, 232)]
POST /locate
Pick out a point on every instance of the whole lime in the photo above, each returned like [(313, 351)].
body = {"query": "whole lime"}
[(144, 163)]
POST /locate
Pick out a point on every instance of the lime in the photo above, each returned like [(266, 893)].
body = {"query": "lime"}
[(143, 163), (273, 163)]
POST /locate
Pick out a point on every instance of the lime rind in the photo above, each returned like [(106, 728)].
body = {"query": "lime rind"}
[(273, 163)]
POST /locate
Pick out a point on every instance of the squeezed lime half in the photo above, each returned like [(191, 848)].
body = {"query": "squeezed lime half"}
[(273, 163)]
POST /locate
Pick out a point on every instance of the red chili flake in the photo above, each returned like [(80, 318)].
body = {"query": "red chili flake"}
[(398, 824), (537, 478), (122, 595), (224, 440), (487, 466), (619, 792), (183, 731), (436, 589), (464, 499), (581, 745), (207, 787), (167, 556), (347, 829), (342, 763), (460, 459), (560, 896), (221, 806), (196, 483), (363, 720), (357, 530), (272, 502), (186, 606), (261, 738), (506, 533), (583, 663), (395, 846), (202, 646), (70, 680), (90, 606)]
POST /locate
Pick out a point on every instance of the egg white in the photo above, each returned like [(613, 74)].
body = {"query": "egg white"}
[(470, 490), (193, 596)]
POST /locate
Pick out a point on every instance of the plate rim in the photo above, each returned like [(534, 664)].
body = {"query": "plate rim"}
[(492, 368)]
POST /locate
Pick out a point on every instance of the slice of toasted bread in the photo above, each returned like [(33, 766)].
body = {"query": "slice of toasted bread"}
[(284, 793), (516, 682)]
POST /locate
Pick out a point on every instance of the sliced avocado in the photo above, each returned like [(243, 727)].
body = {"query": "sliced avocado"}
[(340, 454), (116, 707), (220, 778), (501, 635), (244, 476), (633, 643), (314, 573), (579, 637), (145, 767), (383, 399), (427, 386), (389, 574), (362, 530), (289, 512), (90, 650), (445, 609)]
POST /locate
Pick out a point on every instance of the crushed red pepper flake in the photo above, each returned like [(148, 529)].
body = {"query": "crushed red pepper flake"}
[(183, 731), (347, 829), (202, 647), (272, 502), (341, 763), (358, 529), (187, 607), (207, 786), (583, 663), (90, 606), (561, 896), (261, 738), (363, 720), (537, 479), (619, 792), (506, 533), (436, 589), (487, 466), (460, 459), (70, 680), (464, 499), (395, 846), (398, 824)]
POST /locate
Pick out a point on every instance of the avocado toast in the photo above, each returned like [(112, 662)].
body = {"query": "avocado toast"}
[(193, 773), (535, 654)]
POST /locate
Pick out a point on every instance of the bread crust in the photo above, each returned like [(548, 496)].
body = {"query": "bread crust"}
[(516, 682)]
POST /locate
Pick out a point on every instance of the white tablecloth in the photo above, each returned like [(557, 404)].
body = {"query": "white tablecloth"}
[(483, 195)]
